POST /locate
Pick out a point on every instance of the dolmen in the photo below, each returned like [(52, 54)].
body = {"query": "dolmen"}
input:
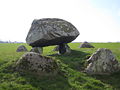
[(51, 31), (102, 62), (21, 48), (86, 45)]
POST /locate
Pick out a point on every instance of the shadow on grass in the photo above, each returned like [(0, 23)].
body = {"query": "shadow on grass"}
[(113, 80), (74, 79), (27, 81), (75, 60), (57, 82)]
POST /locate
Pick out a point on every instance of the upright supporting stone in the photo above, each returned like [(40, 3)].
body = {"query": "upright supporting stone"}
[(37, 50), (64, 48), (40, 49), (68, 50)]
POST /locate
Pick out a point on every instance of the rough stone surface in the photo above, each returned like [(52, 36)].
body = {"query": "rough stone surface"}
[(37, 50), (51, 31), (36, 64), (86, 45), (64, 49), (21, 48), (102, 62), (56, 48)]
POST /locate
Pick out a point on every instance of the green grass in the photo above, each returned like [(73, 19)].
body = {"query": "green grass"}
[(70, 76)]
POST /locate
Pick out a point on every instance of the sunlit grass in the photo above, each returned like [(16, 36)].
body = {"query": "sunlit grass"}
[(70, 76)]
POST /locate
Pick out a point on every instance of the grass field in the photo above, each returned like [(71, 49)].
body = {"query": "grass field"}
[(70, 76)]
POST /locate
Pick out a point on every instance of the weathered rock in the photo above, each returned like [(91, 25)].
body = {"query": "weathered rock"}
[(36, 64), (21, 48), (102, 62), (63, 49), (86, 45), (51, 31), (37, 50), (56, 48), (66, 49)]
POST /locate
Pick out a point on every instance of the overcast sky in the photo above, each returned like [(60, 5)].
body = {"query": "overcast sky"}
[(96, 20)]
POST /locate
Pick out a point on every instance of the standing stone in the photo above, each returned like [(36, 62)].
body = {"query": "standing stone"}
[(37, 50), (56, 48), (64, 48), (51, 31), (37, 64), (86, 45), (21, 48), (102, 62)]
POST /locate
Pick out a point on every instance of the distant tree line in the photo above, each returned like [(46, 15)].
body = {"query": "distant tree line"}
[(10, 41)]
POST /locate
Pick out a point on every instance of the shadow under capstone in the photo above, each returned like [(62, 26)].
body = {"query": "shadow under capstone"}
[(75, 60)]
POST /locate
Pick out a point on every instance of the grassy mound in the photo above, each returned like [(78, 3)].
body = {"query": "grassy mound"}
[(70, 76)]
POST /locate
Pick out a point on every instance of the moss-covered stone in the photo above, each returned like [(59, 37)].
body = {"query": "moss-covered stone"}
[(37, 64)]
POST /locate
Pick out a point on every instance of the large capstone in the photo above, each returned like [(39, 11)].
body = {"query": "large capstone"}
[(102, 62), (21, 48), (86, 45), (37, 64), (51, 31)]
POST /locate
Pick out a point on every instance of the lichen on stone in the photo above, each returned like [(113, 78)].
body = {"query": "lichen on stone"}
[(35, 63), (102, 62)]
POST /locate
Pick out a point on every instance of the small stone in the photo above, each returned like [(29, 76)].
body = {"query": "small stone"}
[(37, 64), (21, 48), (102, 62), (86, 45)]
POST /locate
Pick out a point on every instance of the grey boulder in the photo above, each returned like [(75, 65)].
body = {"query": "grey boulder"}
[(37, 64), (37, 50), (86, 45), (21, 48), (51, 31), (56, 48), (102, 62), (62, 49)]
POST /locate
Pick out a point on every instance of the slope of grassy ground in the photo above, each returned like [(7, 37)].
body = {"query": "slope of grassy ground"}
[(70, 77)]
